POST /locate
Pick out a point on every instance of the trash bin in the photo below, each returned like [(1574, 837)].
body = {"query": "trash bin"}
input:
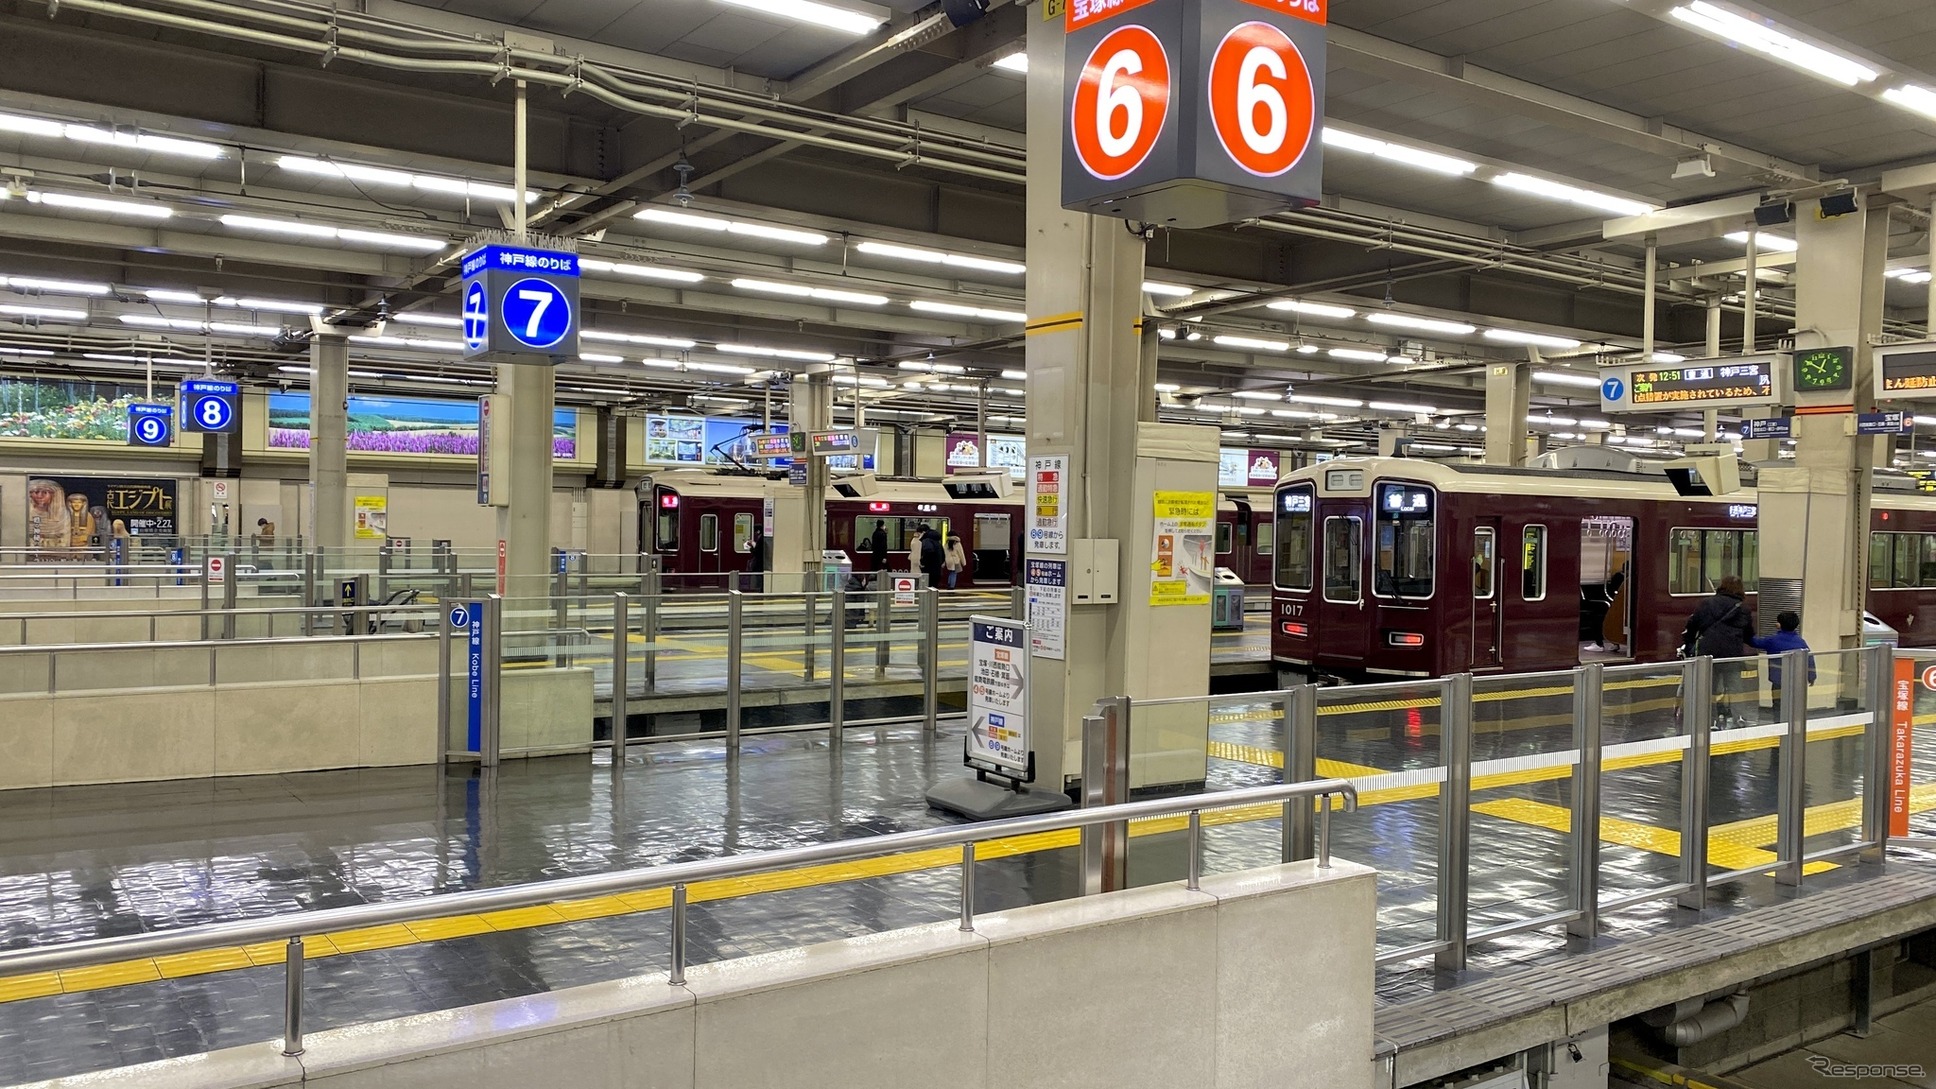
[(836, 567), (1227, 602)]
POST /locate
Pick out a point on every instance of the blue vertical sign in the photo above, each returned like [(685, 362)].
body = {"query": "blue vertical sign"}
[(520, 304), (468, 617)]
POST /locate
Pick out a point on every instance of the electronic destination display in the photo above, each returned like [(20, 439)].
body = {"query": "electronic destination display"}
[(1698, 383), (1906, 370)]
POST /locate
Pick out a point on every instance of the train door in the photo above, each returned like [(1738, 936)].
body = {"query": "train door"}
[(1606, 603), (1345, 626), (709, 544), (1487, 618)]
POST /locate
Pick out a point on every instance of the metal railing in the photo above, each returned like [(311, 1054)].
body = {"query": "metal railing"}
[(291, 928), (212, 648)]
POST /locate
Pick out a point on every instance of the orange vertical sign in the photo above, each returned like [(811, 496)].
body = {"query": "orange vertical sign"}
[(1902, 725), (500, 568)]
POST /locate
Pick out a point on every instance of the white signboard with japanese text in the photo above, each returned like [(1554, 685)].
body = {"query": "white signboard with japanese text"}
[(1048, 514), (1048, 606), (998, 737)]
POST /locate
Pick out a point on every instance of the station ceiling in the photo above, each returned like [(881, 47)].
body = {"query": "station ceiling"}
[(334, 159)]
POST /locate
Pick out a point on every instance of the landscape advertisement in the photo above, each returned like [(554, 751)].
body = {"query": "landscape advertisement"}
[(719, 440), (42, 408), (404, 425), (73, 514)]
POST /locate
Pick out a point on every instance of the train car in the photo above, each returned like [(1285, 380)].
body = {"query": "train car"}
[(700, 522), (1393, 567), (1244, 531)]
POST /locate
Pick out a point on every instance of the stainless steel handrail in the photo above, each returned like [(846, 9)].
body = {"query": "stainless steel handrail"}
[(209, 644), (291, 928)]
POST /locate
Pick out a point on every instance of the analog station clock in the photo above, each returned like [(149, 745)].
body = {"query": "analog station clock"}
[(1824, 368)]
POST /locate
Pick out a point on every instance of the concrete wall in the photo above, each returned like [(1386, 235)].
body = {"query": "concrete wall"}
[(1261, 979)]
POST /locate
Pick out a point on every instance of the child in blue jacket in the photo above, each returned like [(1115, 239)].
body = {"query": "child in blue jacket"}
[(1785, 639)]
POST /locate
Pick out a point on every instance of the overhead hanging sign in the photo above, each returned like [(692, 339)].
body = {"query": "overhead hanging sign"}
[(1905, 370), (998, 732), (1881, 423), (1727, 382), (211, 407), (151, 425), (1192, 113), (520, 305), (770, 445), (1778, 427)]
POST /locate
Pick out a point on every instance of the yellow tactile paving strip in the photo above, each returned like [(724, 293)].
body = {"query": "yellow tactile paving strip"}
[(1733, 846)]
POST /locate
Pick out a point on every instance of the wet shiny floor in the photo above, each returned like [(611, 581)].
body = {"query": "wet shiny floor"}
[(87, 862)]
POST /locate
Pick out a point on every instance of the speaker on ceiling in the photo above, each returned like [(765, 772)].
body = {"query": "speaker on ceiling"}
[(962, 12), (1838, 204), (1774, 213)]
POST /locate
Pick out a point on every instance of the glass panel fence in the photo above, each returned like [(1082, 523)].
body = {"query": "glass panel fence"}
[(1743, 771), (1917, 793), (1641, 781), (1836, 765), (1524, 754)]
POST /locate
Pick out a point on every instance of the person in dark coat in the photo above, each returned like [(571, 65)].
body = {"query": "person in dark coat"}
[(877, 544), (931, 556), (1723, 627), (756, 562)]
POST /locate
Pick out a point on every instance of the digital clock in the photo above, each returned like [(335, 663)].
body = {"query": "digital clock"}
[(1824, 369)]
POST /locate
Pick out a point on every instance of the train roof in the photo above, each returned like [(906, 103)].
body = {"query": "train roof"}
[(987, 488), (1591, 483)]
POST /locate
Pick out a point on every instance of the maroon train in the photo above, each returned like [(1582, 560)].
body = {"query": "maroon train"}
[(1395, 567)]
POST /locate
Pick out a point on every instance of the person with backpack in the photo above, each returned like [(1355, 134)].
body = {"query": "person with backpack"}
[(877, 544), (931, 556), (1787, 637), (1722, 627)]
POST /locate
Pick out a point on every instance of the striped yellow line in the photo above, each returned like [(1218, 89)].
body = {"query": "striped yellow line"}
[(1271, 714), (1054, 323)]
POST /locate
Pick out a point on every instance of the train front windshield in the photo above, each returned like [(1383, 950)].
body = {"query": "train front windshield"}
[(1407, 527), (1294, 525)]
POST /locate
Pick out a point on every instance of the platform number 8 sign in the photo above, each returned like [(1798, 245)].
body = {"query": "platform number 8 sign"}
[(1261, 100), (1122, 100)]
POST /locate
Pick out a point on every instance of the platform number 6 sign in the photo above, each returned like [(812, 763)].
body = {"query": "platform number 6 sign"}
[(1122, 100), (1261, 100)]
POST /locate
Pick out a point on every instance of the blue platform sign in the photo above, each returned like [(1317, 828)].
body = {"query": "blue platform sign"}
[(211, 407), (1881, 423), (520, 305), (1613, 389), (151, 425), (468, 617), (1780, 427)]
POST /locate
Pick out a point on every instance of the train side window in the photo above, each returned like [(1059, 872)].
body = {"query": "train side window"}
[(709, 533), (1749, 552), (1684, 562), (1485, 562), (1532, 564), (1905, 549), (1929, 559), (668, 529), (1879, 565), (1265, 537), (1223, 538), (1295, 525), (1344, 560), (742, 532), (1719, 558)]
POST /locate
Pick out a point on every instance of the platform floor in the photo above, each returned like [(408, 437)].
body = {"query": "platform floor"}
[(91, 861)]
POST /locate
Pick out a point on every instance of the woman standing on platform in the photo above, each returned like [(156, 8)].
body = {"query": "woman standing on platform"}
[(956, 561)]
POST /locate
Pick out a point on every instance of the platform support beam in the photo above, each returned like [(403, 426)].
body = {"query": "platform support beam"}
[(329, 516), (1509, 397)]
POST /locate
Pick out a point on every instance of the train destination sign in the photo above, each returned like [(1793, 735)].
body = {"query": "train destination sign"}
[(1905, 370), (1729, 381), (768, 445)]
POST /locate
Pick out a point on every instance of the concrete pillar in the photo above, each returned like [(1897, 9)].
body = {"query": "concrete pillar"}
[(524, 526), (1815, 512), (1509, 397), (1091, 397), (810, 407), (329, 393)]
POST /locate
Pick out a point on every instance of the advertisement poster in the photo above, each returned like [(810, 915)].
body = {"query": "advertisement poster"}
[(1263, 468), (405, 425), (998, 695), (1048, 530), (68, 515), (1004, 452), (1233, 468), (1182, 553), (675, 439), (46, 408), (372, 517), (1048, 606)]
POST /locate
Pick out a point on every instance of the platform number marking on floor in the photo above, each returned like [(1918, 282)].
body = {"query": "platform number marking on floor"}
[(1122, 100), (537, 314)]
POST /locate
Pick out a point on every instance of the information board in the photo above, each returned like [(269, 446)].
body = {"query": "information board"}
[(1699, 383), (1905, 370), (1778, 427), (769, 445), (998, 737), (1048, 515), (1881, 423), (1182, 549), (1048, 606)]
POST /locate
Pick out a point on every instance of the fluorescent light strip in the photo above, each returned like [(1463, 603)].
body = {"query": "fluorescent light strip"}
[(1251, 344), (1255, 395), (643, 272), (1542, 340), (1764, 243), (801, 291), (826, 16), (1667, 357), (1572, 194), (1913, 97), (1015, 376), (190, 325), (1358, 354), (104, 205), (1015, 62), (90, 134), (1172, 291), (1909, 275), (1316, 310), (1423, 325), (960, 311), (595, 357), (1398, 153), (938, 257), (1320, 399), (1767, 40), (49, 313), (636, 338), (730, 226), (319, 231), (938, 368), (1563, 378), (445, 321), (25, 351), (775, 353), (402, 179), (1393, 406), (421, 343), (54, 287)]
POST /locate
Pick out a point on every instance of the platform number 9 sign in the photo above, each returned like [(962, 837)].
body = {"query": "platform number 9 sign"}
[(1261, 101), (1122, 100)]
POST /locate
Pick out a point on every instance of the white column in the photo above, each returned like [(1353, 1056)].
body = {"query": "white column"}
[(329, 391), (1509, 397), (524, 526)]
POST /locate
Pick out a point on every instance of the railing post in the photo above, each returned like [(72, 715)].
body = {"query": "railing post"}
[(560, 613), (734, 632), (677, 975), (1299, 707), (490, 681), (205, 606), (1877, 783), (384, 559), (231, 587), (292, 997), (837, 673), (621, 681), (1018, 602), (1589, 693), (1697, 718), (1455, 817), (930, 656), (310, 562), (883, 626), (1193, 874), (807, 628), (968, 886), (1105, 781), (649, 631), (443, 683), (1791, 803)]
